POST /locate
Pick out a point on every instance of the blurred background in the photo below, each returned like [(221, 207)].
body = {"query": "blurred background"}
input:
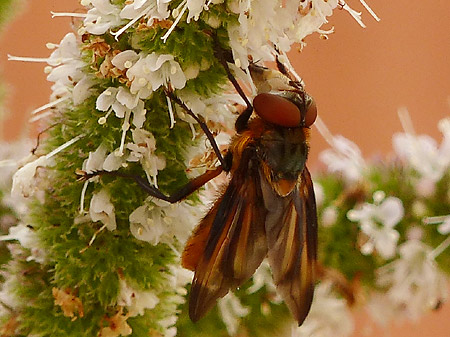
[(359, 78)]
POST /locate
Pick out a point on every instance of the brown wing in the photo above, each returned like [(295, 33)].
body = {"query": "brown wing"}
[(291, 230), (229, 244)]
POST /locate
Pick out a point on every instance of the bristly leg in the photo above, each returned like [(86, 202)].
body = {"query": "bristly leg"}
[(192, 186), (225, 165), (242, 120)]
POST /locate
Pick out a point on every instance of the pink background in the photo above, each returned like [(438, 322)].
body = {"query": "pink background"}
[(359, 78)]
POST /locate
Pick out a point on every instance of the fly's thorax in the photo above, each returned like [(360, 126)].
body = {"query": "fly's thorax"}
[(283, 153)]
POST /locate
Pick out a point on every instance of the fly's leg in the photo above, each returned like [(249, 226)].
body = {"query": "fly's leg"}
[(226, 165), (284, 70), (221, 55), (192, 186)]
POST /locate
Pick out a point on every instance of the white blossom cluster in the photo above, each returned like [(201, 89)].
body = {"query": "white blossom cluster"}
[(411, 283), (414, 284), (329, 315), (263, 29)]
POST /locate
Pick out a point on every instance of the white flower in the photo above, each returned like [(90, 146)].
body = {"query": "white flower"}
[(113, 161), (11, 154), (152, 71), (101, 209), (143, 150), (263, 278), (344, 158), (163, 222), (329, 216), (231, 310), (95, 160), (121, 101), (135, 300), (102, 17), (24, 179), (414, 284), (143, 227), (217, 108), (377, 221), (381, 309), (179, 278), (27, 238), (422, 153), (314, 18), (196, 8), (8, 294), (329, 316), (125, 60), (66, 71), (149, 9), (81, 90), (263, 24), (100, 161), (167, 324), (66, 62)]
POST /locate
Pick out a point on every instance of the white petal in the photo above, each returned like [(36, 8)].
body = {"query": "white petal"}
[(113, 162), (81, 90), (126, 98), (177, 77), (122, 58), (119, 109), (139, 113), (391, 211), (101, 209), (386, 244), (23, 179), (155, 62), (106, 99), (95, 160)]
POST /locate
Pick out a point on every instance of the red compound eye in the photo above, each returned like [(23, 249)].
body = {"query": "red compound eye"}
[(311, 113), (277, 110)]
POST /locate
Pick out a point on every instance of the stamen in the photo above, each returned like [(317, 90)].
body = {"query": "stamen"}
[(356, 15), (155, 182), (251, 83), (194, 133), (7, 162), (102, 120), (366, 6), (95, 235), (39, 117), (72, 15), (434, 220), (323, 130), (64, 146), (405, 120), (177, 253), (49, 105), (125, 127), (287, 63), (83, 195), (172, 117), (93, 239), (51, 45), (177, 20), (27, 59), (439, 249), (129, 24)]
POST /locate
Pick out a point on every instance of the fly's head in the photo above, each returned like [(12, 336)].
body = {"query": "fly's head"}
[(283, 146)]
